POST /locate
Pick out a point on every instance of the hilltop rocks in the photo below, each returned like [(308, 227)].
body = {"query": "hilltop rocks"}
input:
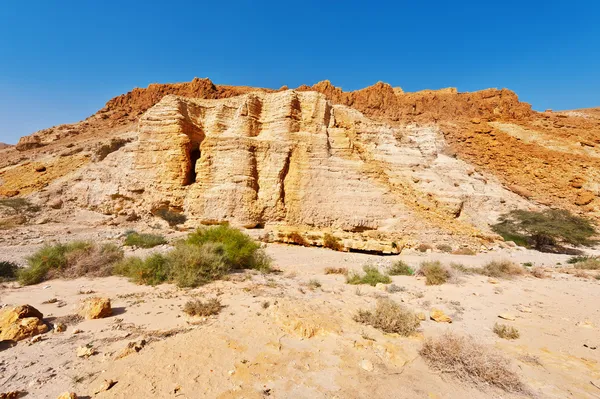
[(95, 308), (21, 322)]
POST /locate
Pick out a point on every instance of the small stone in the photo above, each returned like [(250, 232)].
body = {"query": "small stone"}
[(524, 309), (231, 372), (55, 203), (106, 385), (40, 168), (439, 316), (59, 327), (68, 395), (77, 331), (493, 281), (507, 316), (84, 351), (585, 324), (366, 364), (11, 395), (381, 287), (35, 339), (421, 316)]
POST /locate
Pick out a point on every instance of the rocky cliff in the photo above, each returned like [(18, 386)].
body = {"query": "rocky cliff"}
[(375, 166)]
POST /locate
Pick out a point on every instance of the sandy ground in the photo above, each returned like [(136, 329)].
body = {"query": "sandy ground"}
[(277, 337)]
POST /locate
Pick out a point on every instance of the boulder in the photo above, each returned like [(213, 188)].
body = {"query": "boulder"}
[(21, 322), (95, 308), (56, 203), (440, 316)]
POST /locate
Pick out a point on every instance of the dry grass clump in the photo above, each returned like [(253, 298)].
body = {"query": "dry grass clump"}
[(588, 264), (390, 317), (467, 360), (505, 331), (424, 247), (444, 248), (143, 240), (336, 270), (400, 268), (296, 238), (434, 272), (464, 251), (503, 268), (332, 242), (538, 272), (313, 284), (372, 276), (198, 308)]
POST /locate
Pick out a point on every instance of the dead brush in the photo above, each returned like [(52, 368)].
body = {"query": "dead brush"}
[(467, 360), (503, 269), (390, 317), (538, 272), (505, 331), (435, 273), (199, 308), (336, 270)]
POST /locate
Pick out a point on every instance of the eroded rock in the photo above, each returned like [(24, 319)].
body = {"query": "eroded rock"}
[(95, 308)]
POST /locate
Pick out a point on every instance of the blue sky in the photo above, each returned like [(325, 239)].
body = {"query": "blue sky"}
[(60, 61)]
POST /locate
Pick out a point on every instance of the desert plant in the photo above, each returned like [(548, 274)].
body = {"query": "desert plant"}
[(528, 264), (545, 231), (372, 276), (506, 331), (336, 270), (464, 251), (423, 247), (296, 238), (434, 272), (400, 268), (467, 360), (538, 272), (151, 271), (8, 270), (575, 259), (194, 265), (143, 240), (393, 288), (503, 268), (199, 308), (444, 248), (171, 217), (588, 264), (459, 267), (239, 250), (332, 242), (390, 317), (313, 284)]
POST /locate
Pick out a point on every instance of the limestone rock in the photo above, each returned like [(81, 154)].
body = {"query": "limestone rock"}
[(21, 322), (367, 365), (95, 308), (507, 316), (105, 386), (421, 316), (439, 316), (60, 327), (68, 395), (56, 203), (86, 351)]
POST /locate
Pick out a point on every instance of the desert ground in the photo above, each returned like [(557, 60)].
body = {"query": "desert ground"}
[(292, 334)]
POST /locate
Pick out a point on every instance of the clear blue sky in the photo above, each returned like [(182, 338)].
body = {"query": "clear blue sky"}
[(61, 60)]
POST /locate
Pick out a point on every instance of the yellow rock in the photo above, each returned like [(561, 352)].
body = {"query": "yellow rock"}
[(507, 316), (68, 395), (95, 308), (21, 322), (421, 316), (440, 316)]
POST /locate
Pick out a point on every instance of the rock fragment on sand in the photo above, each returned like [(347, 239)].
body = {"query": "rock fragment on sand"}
[(132, 347), (59, 327), (493, 281), (105, 386), (507, 316), (86, 351), (421, 316), (68, 395), (21, 322), (367, 365), (439, 316), (95, 308)]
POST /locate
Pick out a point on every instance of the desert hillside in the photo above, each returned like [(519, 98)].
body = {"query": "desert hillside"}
[(379, 168)]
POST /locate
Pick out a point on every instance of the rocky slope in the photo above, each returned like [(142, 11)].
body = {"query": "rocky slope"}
[(377, 167)]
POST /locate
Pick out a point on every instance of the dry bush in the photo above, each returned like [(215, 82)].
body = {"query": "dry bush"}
[(424, 247), (296, 238), (538, 272), (444, 248), (434, 272), (464, 251), (198, 308), (502, 268), (588, 264), (8, 271), (336, 270), (390, 317), (467, 360), (172, 217), (313, 284), (332, 242), (400, 268), (505, 331), (143, 240), (581, 273)]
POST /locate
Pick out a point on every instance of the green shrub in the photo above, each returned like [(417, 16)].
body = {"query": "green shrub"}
[(575, 259), (171, 217), (151, 271), (390, 317), (435, 273), (372, 276), (332, 242), (545, 231), (194, 265), (144, 240), (400, 268), (8, 271), (71, 260), (502, 268)]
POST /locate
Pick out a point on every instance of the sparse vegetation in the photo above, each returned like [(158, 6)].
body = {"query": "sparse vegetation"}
[(105, 149), (424, 247), (393, 288), (576, 259), (528, 264), (538, 272), (506, 331), (296, 238), (171, 217), (435, 273), (336, 270), (71, 260), (400, 268), (546, 231), (467, 360), (332, 242), (313, 284), (588, 264), (8, 271), (390, 317), (459, 267), (372, 276), (503, 269), (464, 251), (199, 308), (143, 240), (152, 271), (444, 248)]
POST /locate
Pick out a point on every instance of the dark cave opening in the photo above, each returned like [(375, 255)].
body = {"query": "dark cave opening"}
[(193, 159)]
